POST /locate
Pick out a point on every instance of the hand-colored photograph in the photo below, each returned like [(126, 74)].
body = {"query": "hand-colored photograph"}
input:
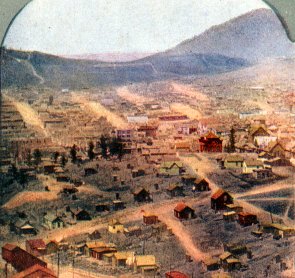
[(147, 138)]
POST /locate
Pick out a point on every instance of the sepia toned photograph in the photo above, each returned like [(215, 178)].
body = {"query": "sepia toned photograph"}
[(147, 138)]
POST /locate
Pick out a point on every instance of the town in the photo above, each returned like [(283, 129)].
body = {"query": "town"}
[(101, 182)]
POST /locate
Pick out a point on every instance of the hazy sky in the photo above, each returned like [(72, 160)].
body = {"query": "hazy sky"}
[(98, 26)]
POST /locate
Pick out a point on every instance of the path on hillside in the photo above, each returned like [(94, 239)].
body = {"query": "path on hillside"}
[(98, 110), (126, 94)]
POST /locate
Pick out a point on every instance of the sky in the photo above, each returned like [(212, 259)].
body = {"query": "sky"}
[(75, 27)]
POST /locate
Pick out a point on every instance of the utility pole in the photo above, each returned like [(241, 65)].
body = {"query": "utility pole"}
[(58, 261)]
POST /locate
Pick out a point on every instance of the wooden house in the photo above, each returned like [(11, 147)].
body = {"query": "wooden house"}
[(149, 131), (89, 246), (210, 264), (22, 227), (150, 219), (171, 168), (80, 214), (188, 179), (201, 184), (250, 165), (19, 258), (276, 149), (278, 162), (102, 207), (118, 205), (175, 190), (36, 247), (52, 221), (210, 142), (121, 259), (52, 247), (142, 195), (182, 211), (231, 264), (233, 162), (145, 265), (220, 199), (247, 219), (278, 229), (115, 226), (229, 216), (36, 271), (95, 235), (99, 252)]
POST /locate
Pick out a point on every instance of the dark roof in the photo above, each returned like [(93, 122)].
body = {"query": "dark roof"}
[(36, 243), (176, 274)]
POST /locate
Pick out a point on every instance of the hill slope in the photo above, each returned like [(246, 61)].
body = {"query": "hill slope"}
[(253, 36), (33, 68)]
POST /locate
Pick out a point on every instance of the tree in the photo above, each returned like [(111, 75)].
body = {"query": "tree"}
[(55, 156), (50, 100), (90, 151), (63, 160), (73, 153), (29, 157), (116, 147), (103, 143), (23, 179), (232, 141), (37, 156)]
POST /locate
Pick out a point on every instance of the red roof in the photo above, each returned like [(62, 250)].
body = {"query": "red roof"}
[(175, 274), (31, 270), (180, 207), (9, 246), (36, 243), (210, 134), (217, 194)]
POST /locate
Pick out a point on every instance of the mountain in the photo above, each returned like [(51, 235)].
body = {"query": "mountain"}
[(33, 68), (254, 36)]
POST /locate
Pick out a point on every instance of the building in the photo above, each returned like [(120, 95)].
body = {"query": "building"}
[(23, 227), (150, 219), (137, 119), (115, 226), (36, 271), (175, 190), (118, 205), (52, 221), (250, 165), (36, 247), (276, 149), (80, 214), (171, 168), (19, 258), (125, 134), (148, 131), (182, 211), (220, 199), (233, 162), (122, 259), (210, 264), (146, 265), (210, 142), (142, 195), (52, 247), (201, 184), (247, 219)]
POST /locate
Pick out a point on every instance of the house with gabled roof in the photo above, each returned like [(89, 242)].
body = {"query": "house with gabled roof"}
[(36, 247), (233, 162), (36, 271), (171, 168), (183, 211), (220, 199), (249, 165), (276, 149)]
